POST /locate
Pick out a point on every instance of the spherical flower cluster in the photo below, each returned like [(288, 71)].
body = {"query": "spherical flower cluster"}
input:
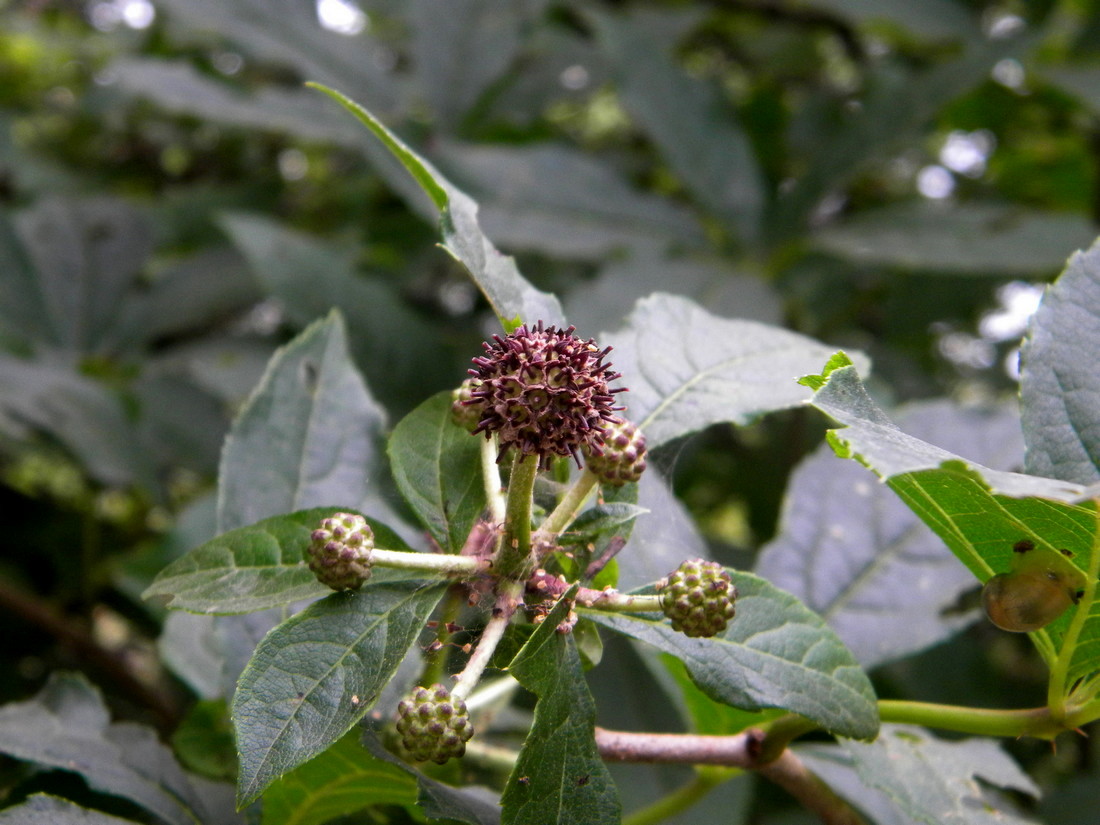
[(623, 454), (698, 598), (433, 725), (339, 551), (544, 391)]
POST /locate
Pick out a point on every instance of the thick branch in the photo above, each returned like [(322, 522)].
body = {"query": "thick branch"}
[(75, 637), (789, 773), (743, 750)]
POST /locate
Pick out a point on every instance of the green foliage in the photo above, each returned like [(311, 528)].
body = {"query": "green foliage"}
[(222, 319), (775, 654)]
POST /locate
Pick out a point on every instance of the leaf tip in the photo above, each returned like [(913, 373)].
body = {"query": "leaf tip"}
[(816, 382)]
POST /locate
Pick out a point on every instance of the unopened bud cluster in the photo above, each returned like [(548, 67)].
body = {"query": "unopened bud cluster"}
[(698, 598), (339, 552), (622, 455), (434, 726)]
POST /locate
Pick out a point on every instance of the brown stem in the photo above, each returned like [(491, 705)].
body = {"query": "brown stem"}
[(77, 639), (792, 775), (744, 750)]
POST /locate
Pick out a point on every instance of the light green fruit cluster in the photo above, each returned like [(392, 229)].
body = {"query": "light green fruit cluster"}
[(622, 455), (339, 552), (434, 726), (698, 598)]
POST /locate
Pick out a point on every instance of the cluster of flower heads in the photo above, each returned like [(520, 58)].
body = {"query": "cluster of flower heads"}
[(543, 391), (339, 552)]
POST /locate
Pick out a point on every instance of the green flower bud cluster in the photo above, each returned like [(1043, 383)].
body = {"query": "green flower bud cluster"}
[(339, 552), (622, 456), (434, 726), (698, 598)]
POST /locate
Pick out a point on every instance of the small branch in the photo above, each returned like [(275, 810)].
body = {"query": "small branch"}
[(610, 600), (437, 653), (1037, 722), (743, 750), (493, 632), (1059, 671), (490, 476), (792, 775), (513, 558), (443, 564), (69, 634), (568, 508)]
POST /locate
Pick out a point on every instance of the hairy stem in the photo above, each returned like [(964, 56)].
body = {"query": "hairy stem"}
[(438, 563), (490, 476), (507, 602), (569, 506), (437, 658), (513, 557), (1058, 685), (1036, 722)]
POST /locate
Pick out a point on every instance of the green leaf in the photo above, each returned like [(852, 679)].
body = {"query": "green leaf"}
[(979, 239), (289, 35), (692, 123), (309, 277), (461, 46), (932, 781), (24, 311), (43, 809), (705, 715), (896, 104), (86, 256), (315, 675), (212, 283), (507, 291), (776, 653), (687, 369), (340, 781), (666, 536), (936, 19), (724, 289), (203, 741), (253, 568), (86, 418), (472, 804), (1059, 386), (437, 467), (855, 554), (551, 198), (559, 777), (66, 726), (979, 513), (308, 437)]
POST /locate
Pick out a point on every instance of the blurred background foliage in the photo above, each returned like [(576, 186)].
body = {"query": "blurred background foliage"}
[(898, 177)]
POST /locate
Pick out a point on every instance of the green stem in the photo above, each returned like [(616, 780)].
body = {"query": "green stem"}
[(437, 660), (512, 559), (1059, 671), (780, 733), (612, 601), (507, 602), (680, 799), (438, 563), (570, 505), (490, 476), (1036, 722)]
